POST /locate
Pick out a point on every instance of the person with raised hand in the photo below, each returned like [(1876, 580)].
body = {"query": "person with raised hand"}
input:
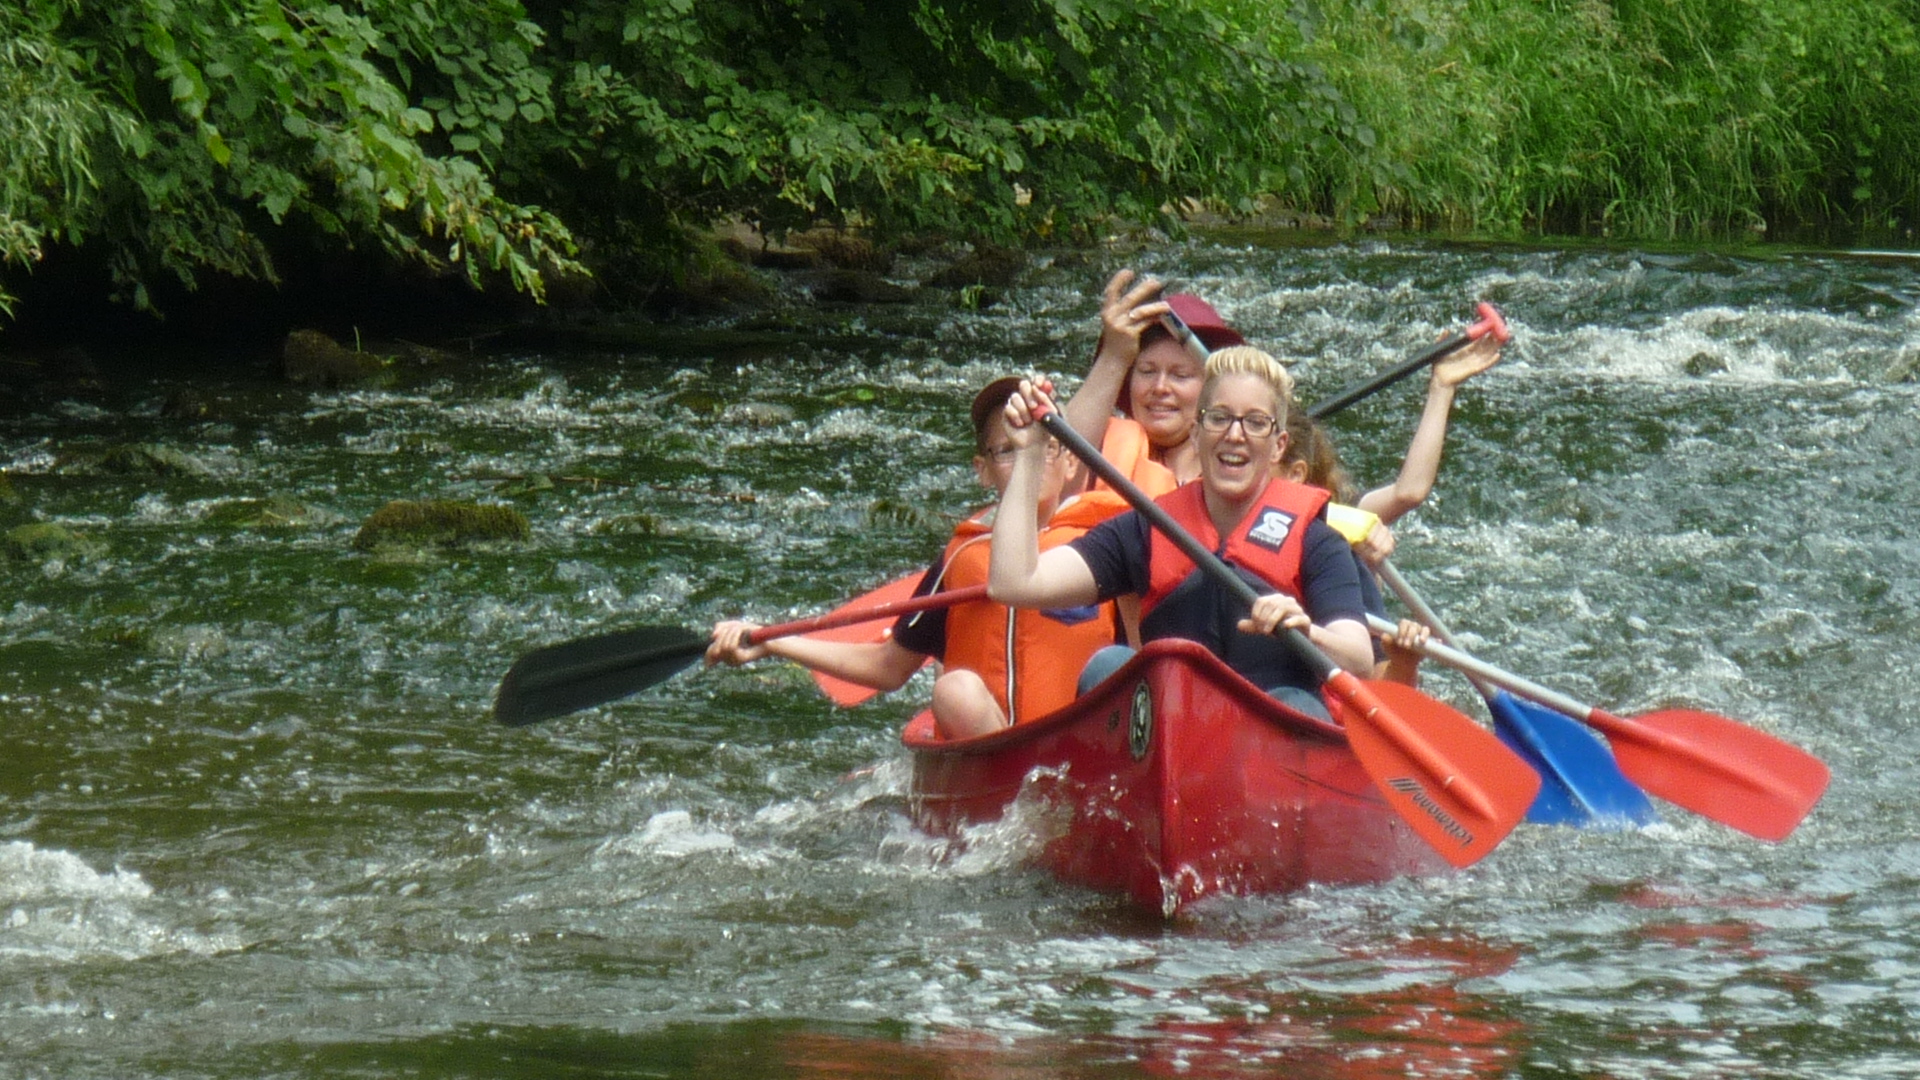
[(1270, 530), (1151, 378), (1000, 666)]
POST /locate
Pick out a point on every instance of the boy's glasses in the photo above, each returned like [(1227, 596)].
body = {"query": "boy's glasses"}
[(1004, 455)]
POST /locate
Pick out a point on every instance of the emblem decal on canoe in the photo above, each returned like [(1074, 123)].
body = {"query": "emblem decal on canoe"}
[(1140, 726), (1272, 529), (1408, 786)]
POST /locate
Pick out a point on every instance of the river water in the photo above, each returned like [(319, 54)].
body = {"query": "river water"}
[(255, 821)]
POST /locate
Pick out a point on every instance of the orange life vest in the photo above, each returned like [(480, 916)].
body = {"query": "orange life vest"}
[(1031, 660), (1269, 543), (1127, 446)]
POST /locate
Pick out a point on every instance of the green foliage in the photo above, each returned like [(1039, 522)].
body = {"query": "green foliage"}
[(188, 136), (1638, 118), (987, 119), (171, 139)]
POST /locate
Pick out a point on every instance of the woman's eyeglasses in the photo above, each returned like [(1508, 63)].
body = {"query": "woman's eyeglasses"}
[(1257, 425)]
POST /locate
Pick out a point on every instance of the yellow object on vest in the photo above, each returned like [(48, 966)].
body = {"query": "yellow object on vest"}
[(1351, 521)]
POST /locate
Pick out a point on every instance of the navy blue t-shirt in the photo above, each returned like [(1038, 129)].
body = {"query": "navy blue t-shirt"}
[(1119, 553)]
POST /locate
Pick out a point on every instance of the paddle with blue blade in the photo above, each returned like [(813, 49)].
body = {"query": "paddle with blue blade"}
[(1458, 786), (1716, 767), (558, 679), (1582, 784)]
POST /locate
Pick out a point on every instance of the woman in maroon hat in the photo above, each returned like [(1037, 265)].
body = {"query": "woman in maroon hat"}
[(1152, 378)]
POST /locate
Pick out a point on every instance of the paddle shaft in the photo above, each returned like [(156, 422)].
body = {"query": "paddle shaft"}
[(846, 617), (1474, 666), (1391, 575), (1490, 322)]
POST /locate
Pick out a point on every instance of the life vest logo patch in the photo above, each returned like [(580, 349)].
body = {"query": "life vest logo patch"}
[(1272, 529)]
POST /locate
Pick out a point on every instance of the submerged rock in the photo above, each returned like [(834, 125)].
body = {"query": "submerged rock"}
[(1702, 364), (439, 522), (150, 459), (311, 358), (273, 512), (986, 265), (859, 287), (8, 496), (44, 541)]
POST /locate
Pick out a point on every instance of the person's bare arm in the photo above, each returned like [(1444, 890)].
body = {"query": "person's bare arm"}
[(1127, 309), (1422, 465), (1019, 574), (879, 665)]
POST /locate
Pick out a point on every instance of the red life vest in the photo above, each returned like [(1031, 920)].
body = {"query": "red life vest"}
[(1127, 446), (1031, 660), (1269, 543)]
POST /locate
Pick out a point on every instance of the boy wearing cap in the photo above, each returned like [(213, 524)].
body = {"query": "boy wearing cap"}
[(1001, 666)]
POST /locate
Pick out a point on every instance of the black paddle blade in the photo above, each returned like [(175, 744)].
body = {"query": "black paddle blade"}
[(574, 675)]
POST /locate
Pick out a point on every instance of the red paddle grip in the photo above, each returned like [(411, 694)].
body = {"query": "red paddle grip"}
[(1491, 322)]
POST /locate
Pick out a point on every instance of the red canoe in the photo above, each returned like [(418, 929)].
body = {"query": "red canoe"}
[(1173, 780)]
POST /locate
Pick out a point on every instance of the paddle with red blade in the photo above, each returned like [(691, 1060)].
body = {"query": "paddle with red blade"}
[(1582, 784), (1716, 767), (1457, 785), (574, 675), (839, 691)]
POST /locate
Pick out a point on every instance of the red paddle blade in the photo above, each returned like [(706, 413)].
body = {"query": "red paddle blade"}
[(840, 691), (1718, 768), (1458, 785)]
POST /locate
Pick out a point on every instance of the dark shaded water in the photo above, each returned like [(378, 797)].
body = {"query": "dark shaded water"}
[(254, 821)]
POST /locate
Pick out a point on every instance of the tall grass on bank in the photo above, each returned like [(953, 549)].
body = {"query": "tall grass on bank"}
[(1652, 119)]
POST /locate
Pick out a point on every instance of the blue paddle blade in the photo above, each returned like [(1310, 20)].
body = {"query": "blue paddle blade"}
[(1581, 784)]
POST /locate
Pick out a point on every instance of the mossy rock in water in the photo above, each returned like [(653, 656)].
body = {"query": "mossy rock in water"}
[(273, 512), (311, 358), (859, 287), (150, 459), (442, 522), (1702, 364), (8, 496), (631, 525), (44, 541), (760, 414), (986, 265)]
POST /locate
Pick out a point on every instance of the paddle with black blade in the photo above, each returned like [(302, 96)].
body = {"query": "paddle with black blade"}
[(1583, 784), (1456, 784), (1716, 767), (574, 675)]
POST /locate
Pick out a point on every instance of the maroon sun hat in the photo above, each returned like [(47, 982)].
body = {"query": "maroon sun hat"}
[(1206, 323)]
